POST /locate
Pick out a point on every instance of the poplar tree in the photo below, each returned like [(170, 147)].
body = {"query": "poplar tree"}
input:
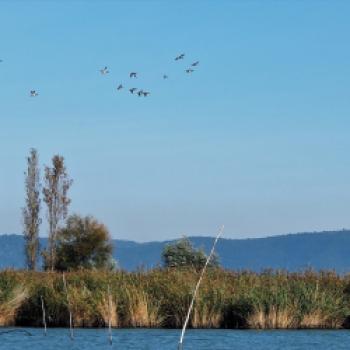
[(55, 191), (31, 211)]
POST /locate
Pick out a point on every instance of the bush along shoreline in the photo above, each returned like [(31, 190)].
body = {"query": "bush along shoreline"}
[(160, 298)]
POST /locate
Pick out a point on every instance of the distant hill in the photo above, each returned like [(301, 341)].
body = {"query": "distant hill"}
[(323, 250)]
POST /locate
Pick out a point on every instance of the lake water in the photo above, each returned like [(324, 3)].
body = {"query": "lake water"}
[(137, 339)]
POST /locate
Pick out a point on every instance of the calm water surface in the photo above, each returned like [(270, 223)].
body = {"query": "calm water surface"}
[(95, 339)]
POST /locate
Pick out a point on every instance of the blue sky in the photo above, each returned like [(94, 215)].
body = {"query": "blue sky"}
[(256, 139)]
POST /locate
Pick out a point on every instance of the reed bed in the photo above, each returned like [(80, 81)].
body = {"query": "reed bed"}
[(160, 298)]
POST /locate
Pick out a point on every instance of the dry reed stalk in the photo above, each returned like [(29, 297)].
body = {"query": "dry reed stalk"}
[(81, 305), (273, 319), (9, 308), (107, 309), (142, 311), (206, 317), (316, 319)]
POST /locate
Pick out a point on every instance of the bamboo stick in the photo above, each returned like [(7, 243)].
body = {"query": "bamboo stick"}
[(180, 345), (69, 308), (44, 315)]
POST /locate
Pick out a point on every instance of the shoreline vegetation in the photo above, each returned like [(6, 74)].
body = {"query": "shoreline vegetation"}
[(160, 298), (93, 293)]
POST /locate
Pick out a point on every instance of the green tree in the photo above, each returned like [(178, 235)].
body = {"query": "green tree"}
[(83, 243), (31, 211), (183, 254), (55, 191)]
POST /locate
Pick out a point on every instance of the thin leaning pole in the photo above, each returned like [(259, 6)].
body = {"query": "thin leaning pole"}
[(69, 308), (44, 315), (110, 336), (180, 346)]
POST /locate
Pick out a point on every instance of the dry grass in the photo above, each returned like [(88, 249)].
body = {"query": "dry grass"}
[(208, 310), (160, 298), (107, 308), (142, 309), (9, 308), (314, 320), (273, 319)]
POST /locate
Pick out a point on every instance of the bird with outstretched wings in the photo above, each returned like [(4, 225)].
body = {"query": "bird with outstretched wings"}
[(104, 70), (180, 57)]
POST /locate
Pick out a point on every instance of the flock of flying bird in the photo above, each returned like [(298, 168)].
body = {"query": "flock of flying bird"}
[(141, 92), (133, 75)]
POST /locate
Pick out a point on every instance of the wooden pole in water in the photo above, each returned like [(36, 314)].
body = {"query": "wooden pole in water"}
[(69, 308), (44, 315), (110, 316), (180, 345)]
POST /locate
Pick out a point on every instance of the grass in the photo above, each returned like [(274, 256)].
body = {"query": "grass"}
[(160, 298)]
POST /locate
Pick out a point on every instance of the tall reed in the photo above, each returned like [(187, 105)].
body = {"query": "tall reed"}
[(160, 298)]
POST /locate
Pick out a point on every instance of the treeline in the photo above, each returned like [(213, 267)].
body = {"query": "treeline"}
[(76, 242), (73, 241), (160, 298)]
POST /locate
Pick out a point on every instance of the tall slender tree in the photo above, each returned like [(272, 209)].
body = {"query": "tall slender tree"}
[(31, 211), (55, 191)]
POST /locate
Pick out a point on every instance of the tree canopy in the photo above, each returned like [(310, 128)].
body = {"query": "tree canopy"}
[(55, 192), (83, 243), (31, 212), (183, 254)]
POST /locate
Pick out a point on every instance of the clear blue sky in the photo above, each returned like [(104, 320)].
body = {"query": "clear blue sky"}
[(256, 139)]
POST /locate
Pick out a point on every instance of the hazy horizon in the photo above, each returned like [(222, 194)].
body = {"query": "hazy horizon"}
[(256, 138), (223, 237)]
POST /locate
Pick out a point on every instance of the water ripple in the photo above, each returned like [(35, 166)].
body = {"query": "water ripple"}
[(159, 339)]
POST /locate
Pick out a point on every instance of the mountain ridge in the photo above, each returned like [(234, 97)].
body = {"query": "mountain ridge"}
[(327, 250)]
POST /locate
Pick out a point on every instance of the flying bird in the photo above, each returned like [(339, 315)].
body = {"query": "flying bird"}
[(132, 90), (189, 70), (120, 86), (33, 93), (180, 57), (165, 76), (133, 75), (145, 93), (104, 71), (194, 64)]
